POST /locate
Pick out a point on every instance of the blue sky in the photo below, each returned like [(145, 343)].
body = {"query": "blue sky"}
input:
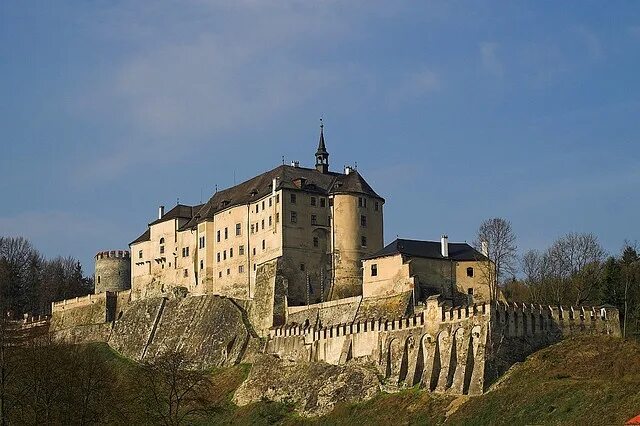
[(454, 112)]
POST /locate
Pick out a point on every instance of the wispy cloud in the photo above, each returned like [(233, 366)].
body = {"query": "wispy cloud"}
[(490, 59), (414, 86)]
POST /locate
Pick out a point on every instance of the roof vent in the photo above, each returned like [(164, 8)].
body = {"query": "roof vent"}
[(295, 164)]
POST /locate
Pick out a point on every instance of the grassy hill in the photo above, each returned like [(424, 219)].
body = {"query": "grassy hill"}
[(583, 381)]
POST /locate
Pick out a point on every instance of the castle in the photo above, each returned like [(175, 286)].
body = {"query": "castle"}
[(294, 259)]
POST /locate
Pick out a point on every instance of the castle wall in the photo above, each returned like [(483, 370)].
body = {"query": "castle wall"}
[(393, 276), (347, 240), (456, 350), (90, 309)]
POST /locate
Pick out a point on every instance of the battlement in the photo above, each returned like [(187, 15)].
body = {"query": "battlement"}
[(113, 254), (557, 313), (77, 302)]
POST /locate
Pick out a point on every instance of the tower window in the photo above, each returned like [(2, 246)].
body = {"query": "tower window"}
[(362, 202), (302, 267), (161, 249), (220, 274), (270, 220), (186, 273), (277, 198), (363, 241), (98, 279), (224, 255), (228, 271), (218, 236), (241, 250), (218, 256), (264, 244), (376, 206), (470, 272), (262, 204), (238, 229), (294, 217), (293, 198), (201, 242), (254, 251), (201, 264), (270, 201), (374, 270), (363, 221)]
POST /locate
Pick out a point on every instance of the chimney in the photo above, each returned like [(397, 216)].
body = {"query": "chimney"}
[(444, 245), (274, 185), (347, 170), (485, 248), (160, 212), (295, 164)]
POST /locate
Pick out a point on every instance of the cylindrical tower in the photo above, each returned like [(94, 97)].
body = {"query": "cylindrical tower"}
[(113, 271), (356, 232)]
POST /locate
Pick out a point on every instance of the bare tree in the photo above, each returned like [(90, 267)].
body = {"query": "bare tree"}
[(172, 393), (500, 241), (576, 261)]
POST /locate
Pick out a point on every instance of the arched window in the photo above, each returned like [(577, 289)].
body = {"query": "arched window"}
[(162, 245)]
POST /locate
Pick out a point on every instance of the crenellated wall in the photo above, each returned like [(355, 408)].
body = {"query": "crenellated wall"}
[(459, 350)]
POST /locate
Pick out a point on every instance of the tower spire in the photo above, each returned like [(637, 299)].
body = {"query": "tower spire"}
[(322, 156)]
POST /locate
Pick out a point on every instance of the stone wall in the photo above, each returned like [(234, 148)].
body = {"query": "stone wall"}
[(456, 350), (90, 309)]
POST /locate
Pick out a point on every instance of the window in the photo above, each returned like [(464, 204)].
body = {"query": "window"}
[(277, 217), (241, 269), (315, 242), (238, 229), (252, 228), (228, 271), (241, 250), (254, 251), (218, 236), (140, 254), (161, 249), (270, 221), (293, 198), (162, 240), (314, 219), (218, 256), (362, 202), (313, 201), (363, 241), (470, 272), (98, 279), (162, 245), (220, 274), (201, 264), (186, 273), (201, 242), (185, 251), (224, 255), (231, 252), (329, 220), (376, 206), (262, 224), (330, 202), (277, 198), (374, 270), (226, 233), (263, 205), (470, 291), (254, 266), (323, 202), (363, 221), (294, 217), (270, 201), (264, 245), (302, 267)]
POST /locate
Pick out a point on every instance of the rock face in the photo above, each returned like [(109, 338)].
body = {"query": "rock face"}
[(314, 388)]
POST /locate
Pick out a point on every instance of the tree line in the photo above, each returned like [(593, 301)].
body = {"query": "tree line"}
[(574, 270), (29, 282)]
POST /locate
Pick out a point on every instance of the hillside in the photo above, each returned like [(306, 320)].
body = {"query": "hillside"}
[(580, 381)]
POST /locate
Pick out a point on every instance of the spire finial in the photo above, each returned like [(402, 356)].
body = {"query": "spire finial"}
[(322, 156), (321, 124)]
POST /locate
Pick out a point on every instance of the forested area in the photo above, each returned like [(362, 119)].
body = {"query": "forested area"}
[(574, 270), (29, 282)]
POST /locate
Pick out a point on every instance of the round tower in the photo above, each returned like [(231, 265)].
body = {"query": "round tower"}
[(113, 271)]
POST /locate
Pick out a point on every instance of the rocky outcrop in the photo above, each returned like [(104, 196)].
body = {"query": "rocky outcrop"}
[(314, 388)]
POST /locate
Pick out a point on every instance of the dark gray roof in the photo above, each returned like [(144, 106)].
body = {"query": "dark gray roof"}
[(430, 250), (180, 211), (258, 187), (146, 236)]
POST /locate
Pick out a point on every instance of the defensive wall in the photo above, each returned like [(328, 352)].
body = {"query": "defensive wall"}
[(459, 350)]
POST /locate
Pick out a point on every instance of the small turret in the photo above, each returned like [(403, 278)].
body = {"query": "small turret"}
[(322, 156)]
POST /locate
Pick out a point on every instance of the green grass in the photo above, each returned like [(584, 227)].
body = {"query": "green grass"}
[(580, 381)]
